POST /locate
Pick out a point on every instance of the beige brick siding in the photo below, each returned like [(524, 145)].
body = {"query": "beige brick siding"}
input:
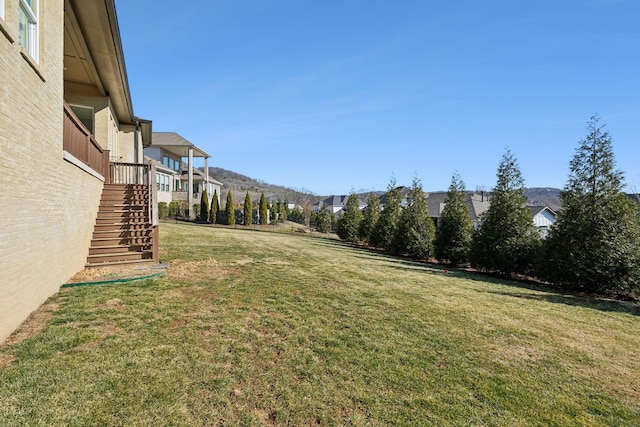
[(48, 206)]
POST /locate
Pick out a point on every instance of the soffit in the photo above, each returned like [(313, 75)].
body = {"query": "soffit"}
[(93, 52)]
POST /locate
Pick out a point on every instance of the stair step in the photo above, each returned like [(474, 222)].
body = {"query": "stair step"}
[(123, 215), (119, 256), (125, 191), (108, 200), (121, 204), (112, 241), (119, 230), (121, 221), (102, 264), (122, 233), (118, 249)]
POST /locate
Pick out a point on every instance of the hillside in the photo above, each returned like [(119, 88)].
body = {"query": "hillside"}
[(544, 196), (239, 185)]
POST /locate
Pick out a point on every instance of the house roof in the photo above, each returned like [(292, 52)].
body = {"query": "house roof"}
[(435, 203), (403, 194), (337, 200), (198, 175), (536, 209), (176, 144), (478, 204)]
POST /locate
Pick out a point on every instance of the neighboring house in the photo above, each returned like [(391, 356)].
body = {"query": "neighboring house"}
[(167, 181), (403, 197), (65, 116), (291, 206), (185, 182), (337, 204), (477, 204), (543, 219), (201, 181)]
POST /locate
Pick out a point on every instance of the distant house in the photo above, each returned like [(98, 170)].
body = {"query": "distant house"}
[(167, 180), (179, 181), (477, 204), (337, 204), (403, 197), (543, 218)]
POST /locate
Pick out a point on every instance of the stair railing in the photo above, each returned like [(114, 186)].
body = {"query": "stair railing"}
[(129, 173)]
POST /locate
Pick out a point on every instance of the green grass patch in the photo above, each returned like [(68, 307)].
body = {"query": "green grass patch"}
[(257, 328)]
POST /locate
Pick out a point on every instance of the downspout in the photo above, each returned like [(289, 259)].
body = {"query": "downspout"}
[(135, 141), (190, 184)]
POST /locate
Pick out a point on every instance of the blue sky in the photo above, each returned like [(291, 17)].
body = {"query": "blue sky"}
[(333, 96)]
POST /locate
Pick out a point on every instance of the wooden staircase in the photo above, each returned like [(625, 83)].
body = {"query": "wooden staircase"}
[(123, 233)]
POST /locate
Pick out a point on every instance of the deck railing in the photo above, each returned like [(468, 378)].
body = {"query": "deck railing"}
[(78, 141), (140, 174), (129, 173)]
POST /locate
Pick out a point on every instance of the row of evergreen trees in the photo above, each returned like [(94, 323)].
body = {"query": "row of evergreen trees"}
[(209, 213), (594, 245)]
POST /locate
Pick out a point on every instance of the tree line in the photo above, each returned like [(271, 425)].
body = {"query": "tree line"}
[(594, 245), (212, 213)]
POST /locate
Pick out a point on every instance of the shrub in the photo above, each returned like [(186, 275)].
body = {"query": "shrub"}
[(163, 210)]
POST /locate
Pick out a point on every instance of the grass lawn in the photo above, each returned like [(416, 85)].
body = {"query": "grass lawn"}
[(260, 328)]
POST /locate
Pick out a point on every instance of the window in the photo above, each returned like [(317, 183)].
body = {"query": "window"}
[(28, 27), (163, 182), (1, 9)]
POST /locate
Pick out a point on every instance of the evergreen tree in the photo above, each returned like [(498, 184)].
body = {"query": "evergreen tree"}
[(273, 215), (287, 211), (595, 242), (296, 215), (282, 212), (215, 207), (204, 207), (506, 241), (230, 209), (387, 226), (323, 220), (264, 210), (248, 210), (369, 217), (348, 225), (453, 236), (416, 229)]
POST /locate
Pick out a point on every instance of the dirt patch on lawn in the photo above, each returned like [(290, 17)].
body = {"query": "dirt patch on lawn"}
[(117, 272), (210, 269)]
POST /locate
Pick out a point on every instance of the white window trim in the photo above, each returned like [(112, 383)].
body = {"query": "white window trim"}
[(32, 42), (1, 9)]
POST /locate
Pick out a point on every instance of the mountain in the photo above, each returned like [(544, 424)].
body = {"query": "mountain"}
[(239, 185), (541, 196)]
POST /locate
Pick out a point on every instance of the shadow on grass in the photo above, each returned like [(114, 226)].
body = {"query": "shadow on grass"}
[(596, 303), (547, 293)]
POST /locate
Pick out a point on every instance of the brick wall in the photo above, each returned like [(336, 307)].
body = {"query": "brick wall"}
[(47, 205)]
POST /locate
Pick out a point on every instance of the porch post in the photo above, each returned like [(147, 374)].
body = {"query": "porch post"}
[(206, 175), (190, 185)]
